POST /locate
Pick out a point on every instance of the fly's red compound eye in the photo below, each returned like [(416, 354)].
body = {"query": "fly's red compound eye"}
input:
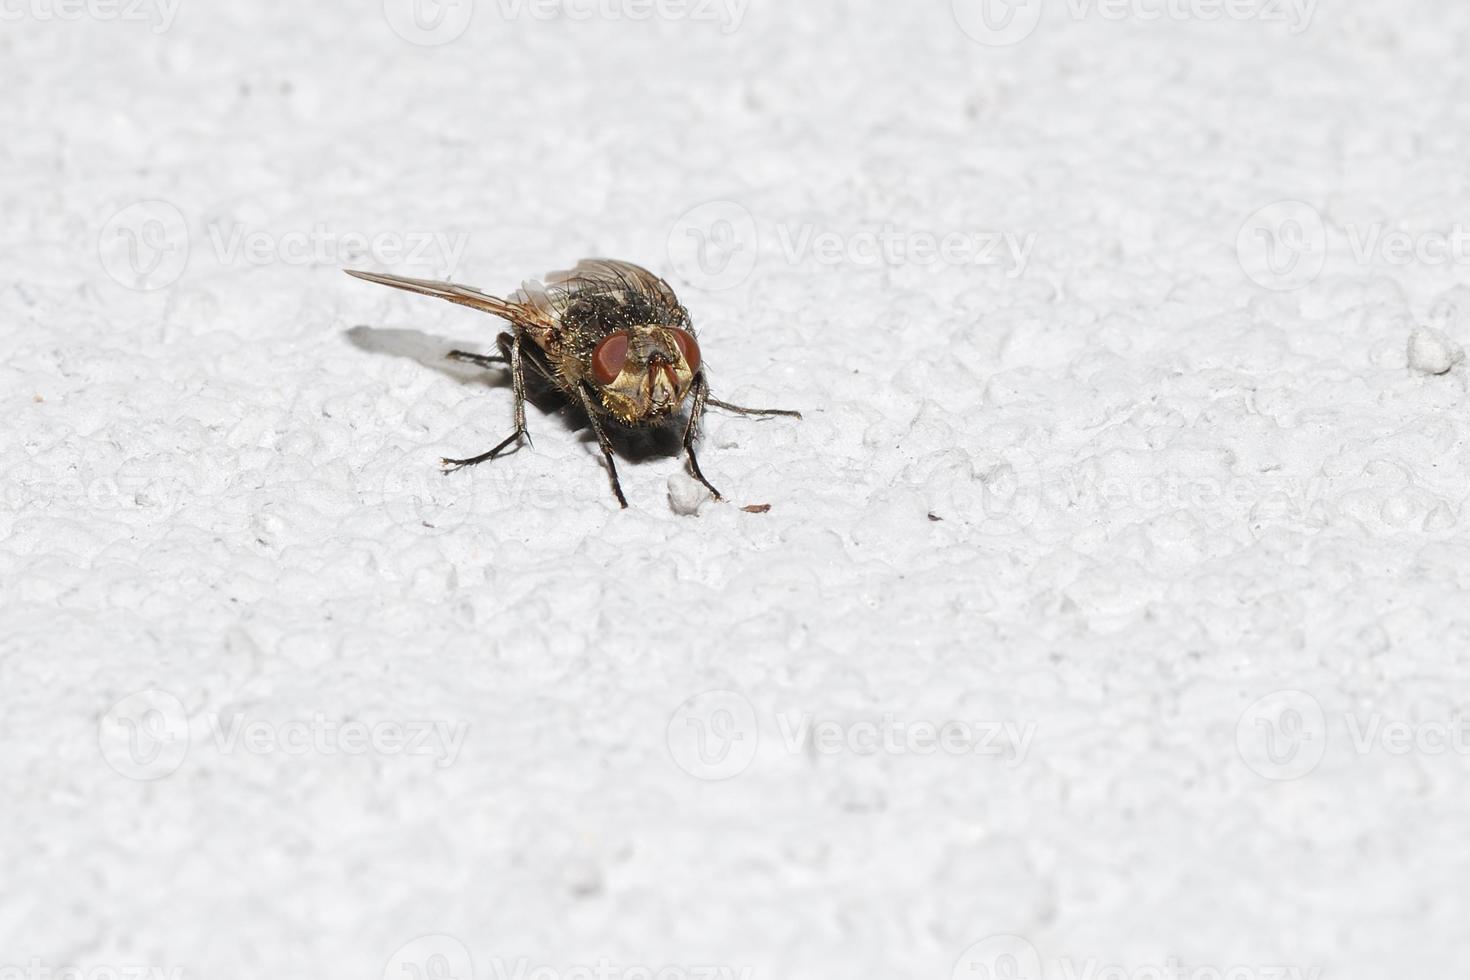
[(609, 357), (688, 347)]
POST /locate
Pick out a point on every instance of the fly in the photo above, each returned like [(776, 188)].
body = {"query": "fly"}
[(610, 336)]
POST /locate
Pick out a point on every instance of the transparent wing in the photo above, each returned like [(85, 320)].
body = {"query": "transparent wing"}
[(454, 293)]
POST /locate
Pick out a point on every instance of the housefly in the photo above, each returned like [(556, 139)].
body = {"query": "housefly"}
[(610, 336)]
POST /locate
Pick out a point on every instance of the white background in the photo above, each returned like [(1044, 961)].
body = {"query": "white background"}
[(1200, 535)]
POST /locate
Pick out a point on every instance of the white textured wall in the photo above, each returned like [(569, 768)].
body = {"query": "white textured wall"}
[(1195, 597)]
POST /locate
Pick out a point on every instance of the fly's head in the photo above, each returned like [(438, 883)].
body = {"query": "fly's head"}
[(643, 374)]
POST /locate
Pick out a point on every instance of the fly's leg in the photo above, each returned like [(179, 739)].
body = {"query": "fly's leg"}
[(505, 341), (691, 432), (450, 465), (482, 360), (741, 410), (517, 377), (602, 440), (510, 350)]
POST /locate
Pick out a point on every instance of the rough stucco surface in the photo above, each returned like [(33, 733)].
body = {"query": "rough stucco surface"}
[(1195, 594)]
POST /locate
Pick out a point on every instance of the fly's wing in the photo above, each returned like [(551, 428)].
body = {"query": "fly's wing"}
[(612, 273), (622, 281), (463, 295)]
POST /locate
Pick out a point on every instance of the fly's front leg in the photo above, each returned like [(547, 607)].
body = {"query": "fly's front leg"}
[(691, 432), (741, 410), (602, 440), (510, 350)]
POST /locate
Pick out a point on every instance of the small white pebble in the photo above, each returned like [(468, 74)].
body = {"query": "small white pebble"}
[(687, 495), (1431, 352)]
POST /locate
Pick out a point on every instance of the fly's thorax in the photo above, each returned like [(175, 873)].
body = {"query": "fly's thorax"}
[(645, 372)]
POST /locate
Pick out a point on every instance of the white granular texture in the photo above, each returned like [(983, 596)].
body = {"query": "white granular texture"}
[(1109, 598)]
